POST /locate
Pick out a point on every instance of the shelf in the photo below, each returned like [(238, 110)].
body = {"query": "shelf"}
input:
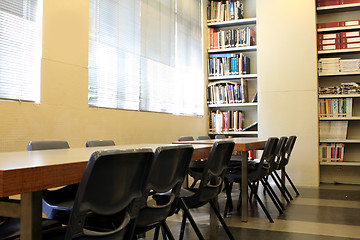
[(339, 140), (338, 74), (236, 133), (339, 118), (237, 49), (233, 105), (338, 8), (347, 50), (339, 96), (245, 21), (340, 163), (334, 29), (247, 76)]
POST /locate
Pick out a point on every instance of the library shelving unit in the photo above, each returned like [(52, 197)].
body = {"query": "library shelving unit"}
[(347, 170), (247, 108)]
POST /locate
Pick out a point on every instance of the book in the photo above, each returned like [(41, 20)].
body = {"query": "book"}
[(255, 98)]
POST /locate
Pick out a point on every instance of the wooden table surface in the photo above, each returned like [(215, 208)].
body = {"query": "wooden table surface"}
[(24, 171)]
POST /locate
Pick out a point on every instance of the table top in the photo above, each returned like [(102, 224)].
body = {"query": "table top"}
[(241, 144), (29, 171)]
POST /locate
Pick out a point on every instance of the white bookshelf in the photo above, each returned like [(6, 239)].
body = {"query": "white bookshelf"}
[(240, 22), (331, 172), (236, 49)]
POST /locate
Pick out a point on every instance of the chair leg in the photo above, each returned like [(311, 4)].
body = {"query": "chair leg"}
[(280, 188), (291, 183), (156, 233), (213, 206), (191, 220), (261, 203), (273, 196), (167, 231), (228, 204), (182, 229), (283, 185)]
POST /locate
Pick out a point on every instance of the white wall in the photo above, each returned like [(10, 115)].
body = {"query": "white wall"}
[(287, 81)]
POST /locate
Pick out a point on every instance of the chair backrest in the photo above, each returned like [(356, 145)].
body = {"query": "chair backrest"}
[(167, 175), (274, 164), (186, 138), (47, 145), (203, 138), (287, 151), (214, 171), (220, 137), (267, 157), (100, 143), (114, 182)]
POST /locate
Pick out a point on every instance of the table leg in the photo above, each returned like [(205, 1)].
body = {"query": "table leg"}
[(244, 187), (214, 222), (31, 216)]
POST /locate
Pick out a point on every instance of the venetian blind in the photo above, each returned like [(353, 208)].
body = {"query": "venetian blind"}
[(139, 55), (20, 49)]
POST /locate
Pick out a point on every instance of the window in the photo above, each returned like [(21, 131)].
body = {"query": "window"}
[(20, 49), (146, 55)]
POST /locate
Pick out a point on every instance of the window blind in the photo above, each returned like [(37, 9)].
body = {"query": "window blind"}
[(139, 55), (20, 49)]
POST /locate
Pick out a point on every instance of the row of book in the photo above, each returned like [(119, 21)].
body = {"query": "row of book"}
[(322, 3), (339, 40), (338, 24), (333, 130), (337, 65), (220, 122), (339, 107), (219, 11), (344, 88), (226, 92), (228, 64), (231, 38), (332, 152)]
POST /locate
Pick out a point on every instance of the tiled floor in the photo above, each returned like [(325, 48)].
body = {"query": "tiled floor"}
[(330, 212)]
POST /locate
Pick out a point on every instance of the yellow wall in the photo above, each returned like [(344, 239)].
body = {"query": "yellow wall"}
[(287, 81), (63, 112)]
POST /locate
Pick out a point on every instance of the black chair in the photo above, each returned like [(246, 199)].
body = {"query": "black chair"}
[(57, 203), (220, 137), (100, 143), (209, 188), (110, 195), (283, 162), (256, 172), (166, 177), (203, 138)]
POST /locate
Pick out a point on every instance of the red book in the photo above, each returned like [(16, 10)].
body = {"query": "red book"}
[(350, 40), (321, 3), (329, 47), (329, 25), (351, 23), (216, 40), (350, 34), (350, 45), (328, 36), (211, 35), (350, 1), (328, 41)]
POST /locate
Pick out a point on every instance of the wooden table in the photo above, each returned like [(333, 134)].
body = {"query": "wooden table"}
[(27, 173), (243, 145)]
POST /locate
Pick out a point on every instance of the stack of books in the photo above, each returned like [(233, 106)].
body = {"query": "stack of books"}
[(228, 64), (329, 65), (344, 88), (219, 11), (226, 92), (339, 107), (340, 40), (332, 152)]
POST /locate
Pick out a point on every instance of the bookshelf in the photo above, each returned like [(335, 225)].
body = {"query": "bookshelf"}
[(232, 71), (342, 106)]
